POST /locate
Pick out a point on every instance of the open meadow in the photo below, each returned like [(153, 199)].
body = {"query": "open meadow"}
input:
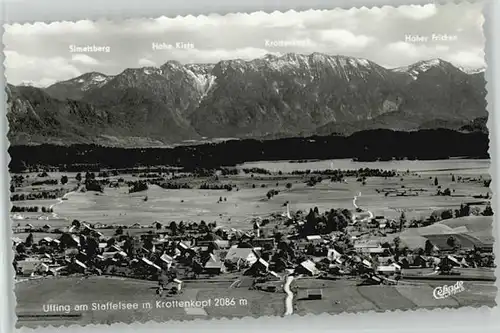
[(72, 291), (346, 295), (414, 193), (337, 296)]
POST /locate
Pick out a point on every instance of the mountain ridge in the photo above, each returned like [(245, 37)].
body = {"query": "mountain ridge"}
[(291, 94)]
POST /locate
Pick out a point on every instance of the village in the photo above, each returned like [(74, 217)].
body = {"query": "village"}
[(331, 245)]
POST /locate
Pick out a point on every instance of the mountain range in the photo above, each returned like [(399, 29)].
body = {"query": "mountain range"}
[(273, 96)]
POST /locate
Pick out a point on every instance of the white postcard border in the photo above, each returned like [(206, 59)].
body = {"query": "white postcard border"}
[(438, 320)]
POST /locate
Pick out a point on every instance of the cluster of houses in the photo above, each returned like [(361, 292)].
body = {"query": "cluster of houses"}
[(155, 254)]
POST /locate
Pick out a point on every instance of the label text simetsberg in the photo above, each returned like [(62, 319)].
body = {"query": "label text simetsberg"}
[(89, 49)]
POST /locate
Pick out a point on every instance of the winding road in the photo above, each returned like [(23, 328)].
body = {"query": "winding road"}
[(289, 278), (289, 296), (61, 200), (370, 214)]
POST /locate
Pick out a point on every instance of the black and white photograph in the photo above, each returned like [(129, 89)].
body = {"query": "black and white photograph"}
[(249, 165)]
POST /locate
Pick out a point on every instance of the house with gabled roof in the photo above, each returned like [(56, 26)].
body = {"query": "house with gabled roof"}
[(150, 264), (214, 265), (307, 267), (260, 267), (246, 254)]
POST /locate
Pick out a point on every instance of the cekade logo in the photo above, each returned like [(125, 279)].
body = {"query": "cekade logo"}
[(447, 291)]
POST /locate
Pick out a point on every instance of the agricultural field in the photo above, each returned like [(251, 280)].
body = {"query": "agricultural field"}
[(248, 199), (344, 295), (76, 290)]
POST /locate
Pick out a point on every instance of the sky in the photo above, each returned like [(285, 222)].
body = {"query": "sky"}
[(39, 53)]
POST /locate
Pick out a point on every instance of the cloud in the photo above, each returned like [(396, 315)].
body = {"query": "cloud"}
[(54, 28), (442, 48), (345, 39), (415, 12), (297, 20), (144, 62), (472, 59), (403, 48), (44, 69), (416, 52), (84, 59)]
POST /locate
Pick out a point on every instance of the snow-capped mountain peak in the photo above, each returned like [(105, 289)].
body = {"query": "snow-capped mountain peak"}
[(472, 70), (152, 70), (89, 80), (421, 67)]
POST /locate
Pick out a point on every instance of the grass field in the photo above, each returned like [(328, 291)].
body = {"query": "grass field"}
[(478, 232), (338, 296), (343, 295), (433, 166), (116, 206), (31, 295)]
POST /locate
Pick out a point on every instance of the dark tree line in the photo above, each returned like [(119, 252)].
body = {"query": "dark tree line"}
[(137, 186), (364, 146), (30, 209), (206, 186), (42, 195)]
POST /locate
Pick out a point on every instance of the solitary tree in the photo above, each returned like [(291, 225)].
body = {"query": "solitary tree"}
[(78, 177), (92, 247), (436, 182), (464, 210), (202, 227), (173, 228), (453, 242), (76, 224), (29, 240), (119, 231), (488, 211), (446, 214), (64, 179), (397, 249), (21, 248), (429, 247), (402, 221), (182, 228)]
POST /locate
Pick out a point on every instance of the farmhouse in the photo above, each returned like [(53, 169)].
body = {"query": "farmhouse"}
[(149, 263), (307, 267), (315, 239), (167, 259), (16, 240), (333, 255), (214, 265), (245, 254), (391, 269), (314, 294), (260, 267), (264, 242), (28, 266), (78, 266)]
